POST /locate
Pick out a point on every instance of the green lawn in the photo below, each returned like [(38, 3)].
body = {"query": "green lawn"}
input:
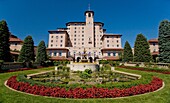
[(9, 96)]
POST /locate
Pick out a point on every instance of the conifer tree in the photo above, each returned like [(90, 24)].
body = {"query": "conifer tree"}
[(41, 54), (164, 41), (127, 53), (27, 50), (141, 49), (4, 42)]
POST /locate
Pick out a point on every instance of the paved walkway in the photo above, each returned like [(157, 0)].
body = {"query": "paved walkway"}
[(130, 74)]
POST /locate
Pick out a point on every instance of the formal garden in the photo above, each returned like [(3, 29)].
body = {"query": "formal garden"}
[(147, 79)]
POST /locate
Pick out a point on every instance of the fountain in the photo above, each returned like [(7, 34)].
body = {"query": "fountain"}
[(84, 57), (83, 64)]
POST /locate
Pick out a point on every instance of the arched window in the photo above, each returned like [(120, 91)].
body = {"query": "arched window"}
[(60, 54), (108, 53), (55, 54), (89, 15)]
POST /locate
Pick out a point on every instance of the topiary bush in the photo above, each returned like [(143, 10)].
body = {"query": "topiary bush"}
[(89, 71)]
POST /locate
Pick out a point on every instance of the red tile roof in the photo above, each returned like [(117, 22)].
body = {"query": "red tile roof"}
[(111, 58), (59, 58), (155, 53), (15, 39), (111, 35), (56, 49), (115, 49), (153, 40), (14, 53)]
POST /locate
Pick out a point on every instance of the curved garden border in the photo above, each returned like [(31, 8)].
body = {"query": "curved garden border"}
[(155, 85), (142, 69)]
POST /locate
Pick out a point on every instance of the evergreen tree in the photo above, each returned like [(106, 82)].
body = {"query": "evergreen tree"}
[(127, 53), (164, 41), (41, 54), (4, 42), (27, 50), (141, 49)]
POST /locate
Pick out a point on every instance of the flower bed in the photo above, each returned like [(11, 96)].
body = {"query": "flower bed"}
[(20, 69), (147, 69), (93, 92)]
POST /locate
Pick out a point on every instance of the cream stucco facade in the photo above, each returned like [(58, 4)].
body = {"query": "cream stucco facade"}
[(70, 42)]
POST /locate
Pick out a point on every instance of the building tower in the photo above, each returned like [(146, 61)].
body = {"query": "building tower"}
[(89, 29)]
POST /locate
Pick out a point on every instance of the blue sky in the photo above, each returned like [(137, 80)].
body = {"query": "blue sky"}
[(126, 17)]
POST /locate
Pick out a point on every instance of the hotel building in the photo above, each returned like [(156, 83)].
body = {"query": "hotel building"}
[(154, 48), (70, 42)]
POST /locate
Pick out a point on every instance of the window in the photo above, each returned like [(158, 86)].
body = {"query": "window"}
[(107, 41), (61, 36), (82, 39), (107, 36), (56, 37), (51, 40), (74, 31), (55, 54), (82, 31), (75, 39), (74, 43), (107, 45), (117, 41), (56, 45), (117, 45), (61, 45), (154, 50), (75, 28), (50, 53), (108, 53), (82, 35), (75, 35), (15, 44), (51, 45), (89, 54), (60, 54), (61, 41), (56, 40), (114, 54), (89, 15), (153, 44), (51, 36), (82, 43), (82, 27)]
